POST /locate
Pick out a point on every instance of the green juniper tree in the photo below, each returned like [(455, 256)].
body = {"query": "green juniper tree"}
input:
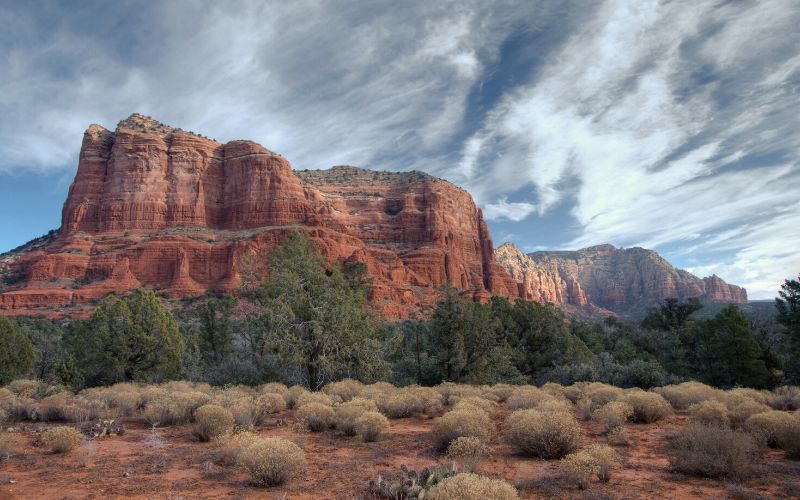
[(17, 354)]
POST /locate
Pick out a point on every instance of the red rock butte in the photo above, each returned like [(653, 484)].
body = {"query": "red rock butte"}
[(159, 207)]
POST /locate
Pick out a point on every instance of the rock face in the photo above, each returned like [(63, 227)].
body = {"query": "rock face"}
[(159, 207), (605, 278)]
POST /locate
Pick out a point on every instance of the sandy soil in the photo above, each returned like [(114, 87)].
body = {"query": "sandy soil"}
[(340, 467)]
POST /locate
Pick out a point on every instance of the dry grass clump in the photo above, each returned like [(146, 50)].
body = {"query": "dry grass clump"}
[(468, 486), (3, 416), (451, 393), (684, 395), (584, 409), (648, 407), (612, 415), (347, 413), (490, 407), (501, 391), (409, 401), (245, 413), (602, 394), (711, 412), (786, 397), (273, 388), (711, 451), (6, 445), (55, 408), (316, 416), (24, 388), (370, 426), (596, 461), (789, 438), (345, 389), (543, 434), (166, 411), (61, 439), (468, 451), (555, 390), (766, 427), (293, 393), (457, 423), (739, 412), (212, 421), (313, 397), (619, 437), (271, 461), (232, 444), (526, 397), (269, 404), (763, 397)]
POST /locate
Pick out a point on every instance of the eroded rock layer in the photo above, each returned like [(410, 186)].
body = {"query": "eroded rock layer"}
[(607, 278), (159, 207)]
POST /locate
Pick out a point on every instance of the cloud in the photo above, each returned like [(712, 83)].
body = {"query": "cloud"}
[(503, 209)]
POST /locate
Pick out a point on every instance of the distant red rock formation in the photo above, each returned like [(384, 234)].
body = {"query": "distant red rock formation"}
[(604, 279), (158, 207)]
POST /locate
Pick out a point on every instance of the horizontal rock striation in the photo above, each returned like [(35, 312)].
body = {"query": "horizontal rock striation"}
[(155, 206)]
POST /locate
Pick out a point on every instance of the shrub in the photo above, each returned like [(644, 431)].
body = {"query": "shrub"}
[(612, 415), (526, 397), (682, 396), (345, 389), (789, 439), (293, 393), (786, 397), (766, 427), (347, 413), (268, 404), (55, 407), (401, 403), (711, 451), (24, 388), (648, 407), (213, 421), (602, 394), (741, 411), (316, 416), (312, 397), (370, 425), (3, 416), (580, 467), (543, 434), (467, 450), (458, 423), (710, 413), (619, 437), (468, 486), (274, 388), (61, 439), (164, 411), (487, 406), (451, 393), (232, 444), (271, 461), (245, 414), (584, 409), (763, 397), (502, 391)]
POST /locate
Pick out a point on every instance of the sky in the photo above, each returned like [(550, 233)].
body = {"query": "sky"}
[(671, 125)]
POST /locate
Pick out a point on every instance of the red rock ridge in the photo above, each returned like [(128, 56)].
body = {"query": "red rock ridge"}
[(158, 207), (609, 278)]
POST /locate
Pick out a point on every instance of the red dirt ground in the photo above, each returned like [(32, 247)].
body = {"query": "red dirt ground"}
[(340, 467)]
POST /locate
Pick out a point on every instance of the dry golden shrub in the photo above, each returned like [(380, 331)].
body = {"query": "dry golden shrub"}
[(759, 396), (61, 439), (313, 397), (596, 461), (602, 394), (451, 393), (268, 404), (125, 398), (526, 397), (561, 405), (212, 421), (711, 451), (55, 407), (555, 390), (347, 413), (457, 423), (345, 389), (24, 388), (245, 413), (468, 486), (574, 392), (232, 444), (543, 434), (584, 409), (684, 395), (273, 388), (316, 416), (619, 437), (468, 451), (271, 461), (786, 397), (739, 412), (502, 391), (788, 438), (487, 406), (766, 427), (293, 394), (370, 426), (711, 412), (401, 403), (612, 415), (648, 407)]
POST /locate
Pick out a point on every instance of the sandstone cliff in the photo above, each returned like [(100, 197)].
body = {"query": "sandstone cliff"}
[(155, 206), (608, 278)]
